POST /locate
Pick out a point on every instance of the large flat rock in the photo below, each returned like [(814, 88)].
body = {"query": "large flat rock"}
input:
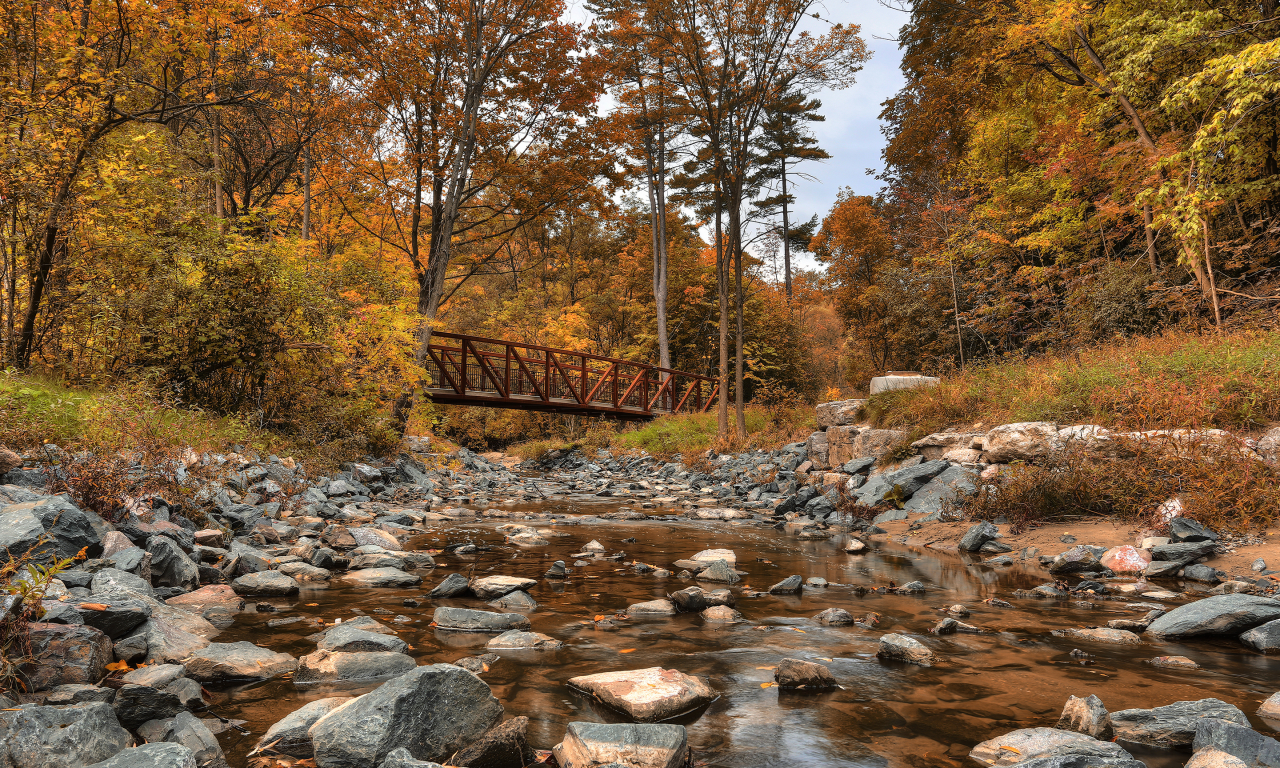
[(1028, 744), (647, 695), (1217, 615), (358, 667), (382, 577), (470, 620), (1173, 725), (225, 662), (493, 587)]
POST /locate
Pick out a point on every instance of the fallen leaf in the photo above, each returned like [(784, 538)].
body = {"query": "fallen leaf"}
[(626, 650), (93, 606), (312, 605), (769, 668), (801, 631), (118, 666), (767, 685), (600, 617), (823, 658), (1011, 749)]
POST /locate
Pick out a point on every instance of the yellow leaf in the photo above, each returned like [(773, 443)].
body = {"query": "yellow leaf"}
[(769, 668), (1011, 749), (767, 685)]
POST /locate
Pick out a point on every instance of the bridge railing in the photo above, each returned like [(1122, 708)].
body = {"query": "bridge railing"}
[(477, 370)]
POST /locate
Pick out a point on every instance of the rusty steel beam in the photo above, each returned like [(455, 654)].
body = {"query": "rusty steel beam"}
[(495, 368)]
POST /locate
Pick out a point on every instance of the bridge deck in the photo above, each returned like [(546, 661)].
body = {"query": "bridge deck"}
[(472, 370)]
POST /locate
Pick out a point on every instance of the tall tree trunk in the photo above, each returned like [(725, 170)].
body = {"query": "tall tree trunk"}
[(786, 240), (1213, 286), (656, 177), (26, 339), (722, 286), (306, 192), (735, 239), (1151, 239)]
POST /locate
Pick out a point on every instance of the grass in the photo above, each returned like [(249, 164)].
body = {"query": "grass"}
[(1169, 381), (35, 411)]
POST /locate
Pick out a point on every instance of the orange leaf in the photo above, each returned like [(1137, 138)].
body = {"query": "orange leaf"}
[(767, 685), (118, 666), (600, 617), (626, 650), (93, 606)]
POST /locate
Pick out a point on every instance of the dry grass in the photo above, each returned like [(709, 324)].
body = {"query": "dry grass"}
[(1174, 380), (1215, 486)]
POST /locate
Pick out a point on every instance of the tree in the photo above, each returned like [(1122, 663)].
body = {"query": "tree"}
[(730, 59), (477, 113), (81, 74), (783, 140)]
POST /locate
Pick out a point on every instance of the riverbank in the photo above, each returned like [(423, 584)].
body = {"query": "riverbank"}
[(821, 603)]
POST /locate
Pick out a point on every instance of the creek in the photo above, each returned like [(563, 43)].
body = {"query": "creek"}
[(1017, 674)]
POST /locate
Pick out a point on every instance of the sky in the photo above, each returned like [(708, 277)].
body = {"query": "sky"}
[(851, 132)]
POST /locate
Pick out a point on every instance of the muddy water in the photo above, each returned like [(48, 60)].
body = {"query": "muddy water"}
[(886, 714)]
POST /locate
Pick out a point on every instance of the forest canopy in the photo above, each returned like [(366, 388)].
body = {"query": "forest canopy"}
[(267, 208)]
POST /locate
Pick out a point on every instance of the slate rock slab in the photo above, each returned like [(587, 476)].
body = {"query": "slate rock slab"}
[(470, 620), (226, 662), (1216, 615), (1173, 725)]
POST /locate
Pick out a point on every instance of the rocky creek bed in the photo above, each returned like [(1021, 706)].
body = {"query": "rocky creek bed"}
[(630, 612)]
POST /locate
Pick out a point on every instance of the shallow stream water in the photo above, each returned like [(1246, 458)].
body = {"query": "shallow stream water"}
[(1017, 675)]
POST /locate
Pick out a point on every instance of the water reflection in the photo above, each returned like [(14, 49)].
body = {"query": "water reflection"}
[(1016, 675)]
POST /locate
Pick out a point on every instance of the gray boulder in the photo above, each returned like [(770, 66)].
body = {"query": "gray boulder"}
[(792, 585), (289, 735), (1022, 746), (136, 704), (191, 732), (1172, 725), (432, 712), (61, 737), (906, 649), (1237, 740), (383, 577), (977, 535), (265, 584), (834, 617), (400, 758), (515, 601), (345, 638), (505, 744), (1182, 553), (114, 583), (69, 528), (516, 639), (170, 566), (157, 755), (21, 533), (226, 662), (623, 744), (797, 673), (719, 572), (1087, 716), (1184, 529), (364, 666), (1076, 560), (65, 653), (952, 483), (1216, 615), (454, 585), (469, 620), (120, 617), (1265, 638)]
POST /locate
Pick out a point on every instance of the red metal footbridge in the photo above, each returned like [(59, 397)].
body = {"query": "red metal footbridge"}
[(472, 370)]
